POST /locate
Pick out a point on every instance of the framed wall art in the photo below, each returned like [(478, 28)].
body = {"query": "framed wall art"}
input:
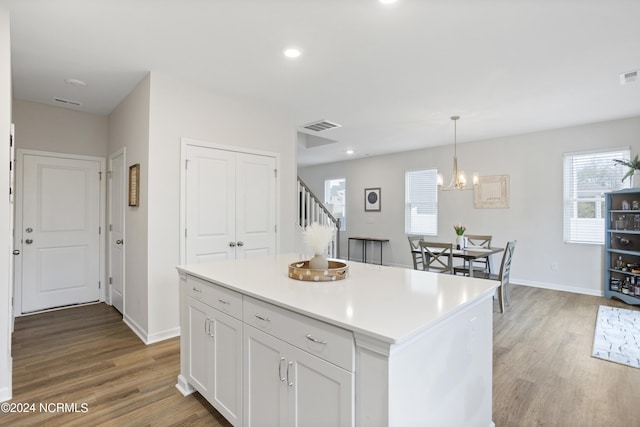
[(134, 185), (491, 192), (372, 199)]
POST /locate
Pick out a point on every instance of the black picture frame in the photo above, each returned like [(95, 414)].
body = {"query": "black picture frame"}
[(372, 202)]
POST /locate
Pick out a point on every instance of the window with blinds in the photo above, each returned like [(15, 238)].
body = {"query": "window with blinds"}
[(421, 202), (587, 176)]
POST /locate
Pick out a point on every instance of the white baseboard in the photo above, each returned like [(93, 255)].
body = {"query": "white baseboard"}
[(557, 287), (5, 394), (150, 338), (184, 387)]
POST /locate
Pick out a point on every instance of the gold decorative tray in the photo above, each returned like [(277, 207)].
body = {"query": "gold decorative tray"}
[(300, 271)]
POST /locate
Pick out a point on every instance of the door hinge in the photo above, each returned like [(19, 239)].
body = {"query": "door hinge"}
[(99, 230), (99, 284), (185, 233), (109, 174), (186, 164), (275, 173), (111, 280), (100, 174), (275, 228), (110, 227)]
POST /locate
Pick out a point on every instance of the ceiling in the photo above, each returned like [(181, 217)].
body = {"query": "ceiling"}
[(391, 75)]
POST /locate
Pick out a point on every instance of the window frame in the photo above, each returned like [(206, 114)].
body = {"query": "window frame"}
[(431, 206), (592, 228)]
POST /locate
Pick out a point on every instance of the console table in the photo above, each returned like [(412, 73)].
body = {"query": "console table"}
[(364, 241)]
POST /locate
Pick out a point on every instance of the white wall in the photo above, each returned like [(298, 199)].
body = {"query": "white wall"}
[(61, 130), (129, 127), (179, 110), (5, 210), (534, 165)]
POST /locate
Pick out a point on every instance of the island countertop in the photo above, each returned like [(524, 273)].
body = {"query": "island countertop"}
[(391, 304)]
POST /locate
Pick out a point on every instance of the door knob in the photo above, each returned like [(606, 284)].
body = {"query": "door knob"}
[(240, 243), (119, 242), (16, 252), (232, 244), (28, 241)]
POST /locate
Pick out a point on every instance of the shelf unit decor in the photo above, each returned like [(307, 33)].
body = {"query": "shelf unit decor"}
[(622, 246)]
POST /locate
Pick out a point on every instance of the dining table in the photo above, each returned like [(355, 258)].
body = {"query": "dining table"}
[(470, 254)]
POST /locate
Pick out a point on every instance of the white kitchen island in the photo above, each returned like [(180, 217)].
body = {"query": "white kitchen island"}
[(386, 346)]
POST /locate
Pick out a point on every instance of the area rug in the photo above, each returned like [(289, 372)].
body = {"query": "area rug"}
[(617, 336)]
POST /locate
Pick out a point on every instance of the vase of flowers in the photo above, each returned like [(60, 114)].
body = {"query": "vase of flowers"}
[(460, 229), (317, 238)]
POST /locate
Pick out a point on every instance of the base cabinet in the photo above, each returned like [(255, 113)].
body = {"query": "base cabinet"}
[(213, 351), (285, 386)]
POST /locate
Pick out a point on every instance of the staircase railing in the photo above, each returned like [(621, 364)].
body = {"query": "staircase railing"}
[(310, 210)]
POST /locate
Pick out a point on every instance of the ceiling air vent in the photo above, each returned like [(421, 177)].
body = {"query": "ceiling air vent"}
[(67, 102), (321, 125), (629, 77)]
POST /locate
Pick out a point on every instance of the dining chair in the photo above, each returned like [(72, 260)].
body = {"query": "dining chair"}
[(415, 252), (437, 256), (480, 265), (503, 276)]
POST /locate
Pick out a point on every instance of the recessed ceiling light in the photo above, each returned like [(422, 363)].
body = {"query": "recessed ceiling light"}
[(349, 152), (387, 1), (292, 52), (75, 82)]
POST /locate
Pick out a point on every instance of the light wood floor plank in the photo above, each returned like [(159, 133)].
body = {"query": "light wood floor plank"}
[(543, 372)]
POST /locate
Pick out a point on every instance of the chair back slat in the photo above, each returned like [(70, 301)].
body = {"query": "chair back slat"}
[(479, 240), (414, 244), (437, 256)]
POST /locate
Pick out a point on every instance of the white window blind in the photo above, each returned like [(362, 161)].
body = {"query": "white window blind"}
[(587, 176), (421, 202)]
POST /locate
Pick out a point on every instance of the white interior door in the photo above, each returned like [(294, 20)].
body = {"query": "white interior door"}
[(117, 179), (60, 231), (210, 205), (255, 205)]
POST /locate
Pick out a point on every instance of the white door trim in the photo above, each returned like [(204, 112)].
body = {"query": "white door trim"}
[(17, 284), (186, 142), (121, 152)]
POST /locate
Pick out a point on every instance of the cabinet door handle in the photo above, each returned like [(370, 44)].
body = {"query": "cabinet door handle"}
[(280, 369), (197, 290), (210, 327), (206, 323), (310, 338), (290, 383), (222, 301), (261, 317)]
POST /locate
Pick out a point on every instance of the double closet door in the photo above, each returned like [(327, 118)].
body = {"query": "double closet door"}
[(230, 204)]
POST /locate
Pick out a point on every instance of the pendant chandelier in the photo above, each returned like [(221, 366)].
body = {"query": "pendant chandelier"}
[(458, 179)]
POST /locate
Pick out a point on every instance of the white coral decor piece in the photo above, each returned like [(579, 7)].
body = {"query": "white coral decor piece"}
[(317, 237)]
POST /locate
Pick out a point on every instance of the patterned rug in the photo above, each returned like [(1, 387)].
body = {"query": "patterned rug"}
[(617, 336)]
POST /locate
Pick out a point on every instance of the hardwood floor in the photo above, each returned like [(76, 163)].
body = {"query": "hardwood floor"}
[(88, 355), (543, 372)]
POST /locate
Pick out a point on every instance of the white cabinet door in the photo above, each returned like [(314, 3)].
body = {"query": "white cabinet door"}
[(200, 346), (265, 393), (285, 386), (230, 204), (226, 393), (320, 393), (210, 204), (255, 205)]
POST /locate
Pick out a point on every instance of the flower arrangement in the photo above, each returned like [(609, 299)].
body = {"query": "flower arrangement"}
[(460, 229), (317, 237)]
